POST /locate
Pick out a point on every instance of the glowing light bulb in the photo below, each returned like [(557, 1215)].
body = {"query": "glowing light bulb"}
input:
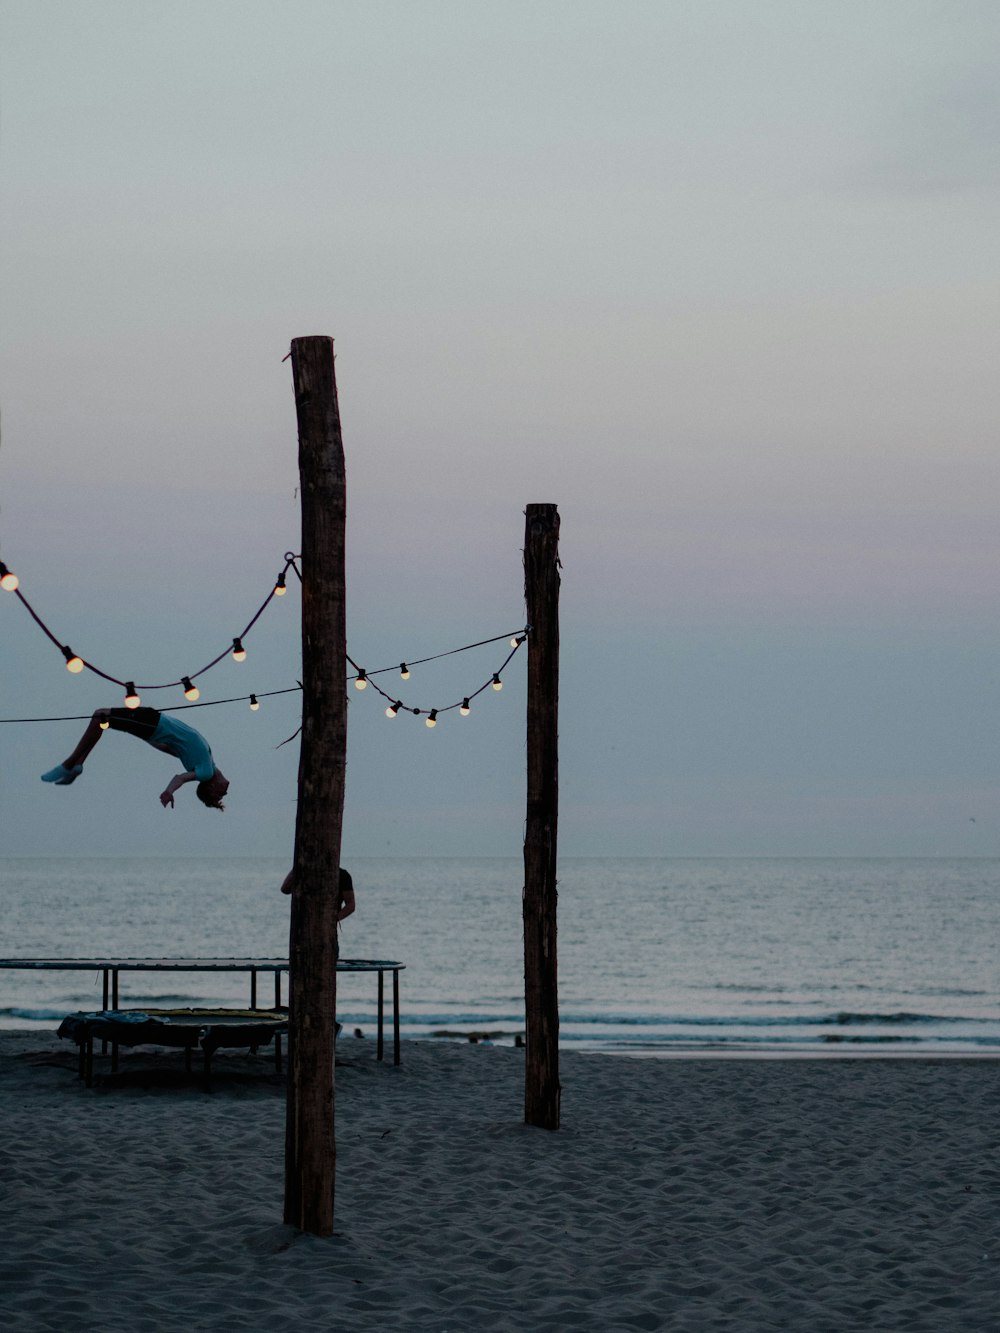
[(393, 709), (465, 710), (104, 724), (432, 718), (516, 642), (254, 704), (279, 587), (73, 663), (404, 671), (362, 680), (497, 682), (8, 579), (132, 699), (239, 652), (191, 691)]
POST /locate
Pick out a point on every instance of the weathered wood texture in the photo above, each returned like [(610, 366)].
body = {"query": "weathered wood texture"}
[(310, 1143), (541, 990)]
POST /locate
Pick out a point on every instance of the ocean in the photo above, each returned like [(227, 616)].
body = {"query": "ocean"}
[(656, 956)]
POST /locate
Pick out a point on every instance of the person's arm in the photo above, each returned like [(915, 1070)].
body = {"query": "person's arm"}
[(167, 795)]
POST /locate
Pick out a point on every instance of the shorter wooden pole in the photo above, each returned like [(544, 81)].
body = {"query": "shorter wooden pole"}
[(541, 992)]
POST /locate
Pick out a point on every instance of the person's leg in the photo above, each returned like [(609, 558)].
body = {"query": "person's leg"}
[(88, 740), (71, 768)]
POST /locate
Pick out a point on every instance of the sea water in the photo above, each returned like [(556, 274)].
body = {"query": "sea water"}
[(656, 956)]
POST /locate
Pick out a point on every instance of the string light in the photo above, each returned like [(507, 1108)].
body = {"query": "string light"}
[(76, 664), (465, 704), (104, 724), (10, 582), (173, 708)]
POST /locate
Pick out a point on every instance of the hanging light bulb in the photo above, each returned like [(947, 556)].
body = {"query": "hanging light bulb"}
[(132, 699), (104, 724), (73, 663), (8, 579), (497, 682), (393, 709), (362, 679), (516, 642), (191, 691), (465, 710), (432, 718), (279, 586), (239, 652), (404, 671), (254, 705)]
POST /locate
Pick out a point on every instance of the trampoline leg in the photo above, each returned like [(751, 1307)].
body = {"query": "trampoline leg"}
[(395, 1016), (381, 1014), (104, 1005), (114, 1005)]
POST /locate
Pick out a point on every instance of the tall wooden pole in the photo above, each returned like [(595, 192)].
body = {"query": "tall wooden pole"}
[(541, 992), (310, 1144)]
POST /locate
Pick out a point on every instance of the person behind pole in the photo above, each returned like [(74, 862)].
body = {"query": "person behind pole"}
[(345, 893), (345, 906), (162, 732)]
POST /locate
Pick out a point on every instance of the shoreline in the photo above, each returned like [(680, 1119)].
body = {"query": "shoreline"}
[(840, 1049), (690, 1194)]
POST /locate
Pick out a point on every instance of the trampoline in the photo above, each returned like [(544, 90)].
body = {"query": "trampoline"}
[(185, 1029), (111, 969)]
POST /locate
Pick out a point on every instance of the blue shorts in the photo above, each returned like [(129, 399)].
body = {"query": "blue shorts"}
[(141, 722)]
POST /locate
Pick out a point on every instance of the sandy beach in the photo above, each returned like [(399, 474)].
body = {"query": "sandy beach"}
[(679, 1194)]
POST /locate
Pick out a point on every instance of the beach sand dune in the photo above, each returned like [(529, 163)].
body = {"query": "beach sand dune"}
[(680, 1194)]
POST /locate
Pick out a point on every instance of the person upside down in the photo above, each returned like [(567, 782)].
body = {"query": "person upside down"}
[(164, 733)]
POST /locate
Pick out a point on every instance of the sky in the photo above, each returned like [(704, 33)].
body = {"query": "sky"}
[(719, 279)]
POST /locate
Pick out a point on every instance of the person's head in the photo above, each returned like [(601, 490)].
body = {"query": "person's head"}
[(211, 791)]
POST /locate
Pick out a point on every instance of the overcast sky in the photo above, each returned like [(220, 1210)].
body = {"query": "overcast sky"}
[(717, 277)]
